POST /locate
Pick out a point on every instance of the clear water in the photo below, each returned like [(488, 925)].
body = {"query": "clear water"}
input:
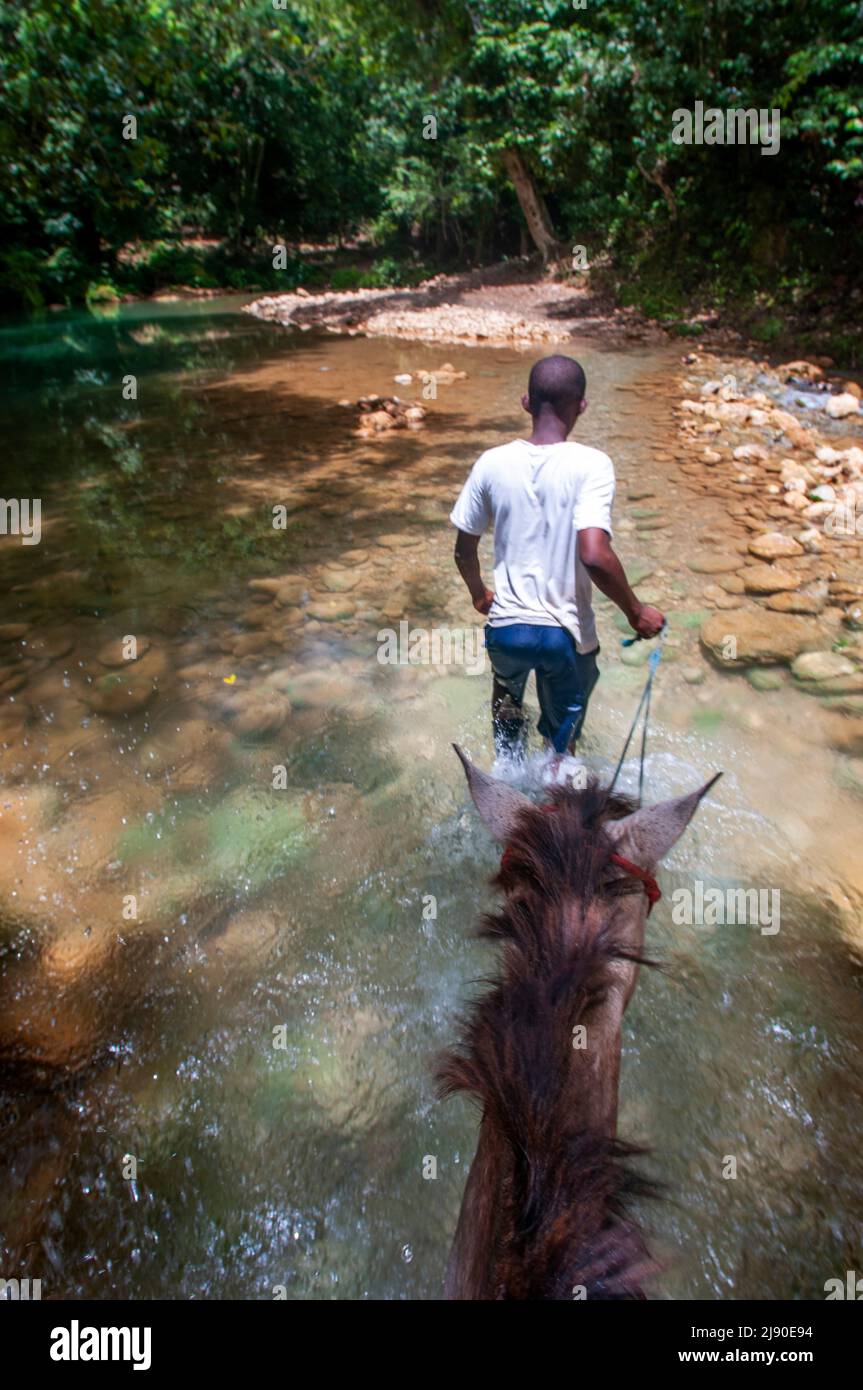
[(303, 914)]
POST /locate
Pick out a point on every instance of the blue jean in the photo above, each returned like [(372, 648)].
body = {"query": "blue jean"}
[(564, 676)]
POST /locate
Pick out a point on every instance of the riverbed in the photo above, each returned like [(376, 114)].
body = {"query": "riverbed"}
[(240, 872)]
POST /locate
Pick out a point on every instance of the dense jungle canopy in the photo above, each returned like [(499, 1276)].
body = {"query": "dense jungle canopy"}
[(413, 135)]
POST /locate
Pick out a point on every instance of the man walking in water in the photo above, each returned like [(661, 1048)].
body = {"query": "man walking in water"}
[(549, 501)]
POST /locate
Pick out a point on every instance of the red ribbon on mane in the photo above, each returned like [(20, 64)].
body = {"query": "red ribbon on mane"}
[(651, 887)]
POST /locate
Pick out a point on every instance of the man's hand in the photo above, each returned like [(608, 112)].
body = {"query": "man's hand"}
[(606, 572), (647, 621), (482, 603)]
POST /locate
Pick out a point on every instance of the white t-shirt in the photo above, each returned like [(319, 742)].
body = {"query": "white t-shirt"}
[(538, 497)]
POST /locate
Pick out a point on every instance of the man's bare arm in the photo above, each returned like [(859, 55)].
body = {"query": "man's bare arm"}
[(467, 560), (597, 555)]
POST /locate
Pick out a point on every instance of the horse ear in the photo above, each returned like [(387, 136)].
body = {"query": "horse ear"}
[(498, 804), (647, 835)]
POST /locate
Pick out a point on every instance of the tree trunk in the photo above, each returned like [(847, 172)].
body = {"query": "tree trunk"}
[(532, 205), (657, 177)]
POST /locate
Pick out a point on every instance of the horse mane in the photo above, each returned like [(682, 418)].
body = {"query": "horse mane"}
[(563, 1212)]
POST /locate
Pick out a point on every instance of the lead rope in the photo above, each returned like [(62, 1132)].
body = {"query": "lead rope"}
[(644, 703)]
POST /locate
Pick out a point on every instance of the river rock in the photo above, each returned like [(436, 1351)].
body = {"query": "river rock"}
[(113, 653), (250, 643), (731, 583), (838, 407), (789, 602), (339, 581), (750, 453), (774, 546), (378, 421), (821, 666), (687, 618), (331, 610), (49, 648), (755, 637), (764, 678), (118, 694), (130, 688), (290, 591), (721, 563), (395, 540), (768, 579), (315, 689), (13, 681), (638, 571), (636, 655), (845, 704), (800, 370), (844, 734), (256, 713), (10, 632), (839, 685)]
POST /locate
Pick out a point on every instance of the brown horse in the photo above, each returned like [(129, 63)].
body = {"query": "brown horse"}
[(545, 1213)]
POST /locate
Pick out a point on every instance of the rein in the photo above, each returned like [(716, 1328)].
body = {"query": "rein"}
[(653, 665), (648, 881)]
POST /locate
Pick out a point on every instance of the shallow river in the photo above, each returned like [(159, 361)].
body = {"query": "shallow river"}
[(237, 889)]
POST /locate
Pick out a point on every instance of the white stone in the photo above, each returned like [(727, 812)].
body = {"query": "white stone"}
[(838, 407)]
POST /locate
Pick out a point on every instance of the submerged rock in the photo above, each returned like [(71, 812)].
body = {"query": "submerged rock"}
[(315, 689), (130, 690), (688, 618), (845, 734), (48, 648), (339, 581), (256, 713), (765, 678), (331, 610), (290, 591), (850, 775), (115, 652), (822, 666)]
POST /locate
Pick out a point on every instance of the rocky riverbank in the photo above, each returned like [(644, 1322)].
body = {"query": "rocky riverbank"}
[(781, 449), (503, 306)]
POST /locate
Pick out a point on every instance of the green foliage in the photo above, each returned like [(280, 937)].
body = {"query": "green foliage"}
[(319, 121)]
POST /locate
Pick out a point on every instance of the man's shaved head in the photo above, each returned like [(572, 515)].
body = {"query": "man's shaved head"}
[(557, 382)]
